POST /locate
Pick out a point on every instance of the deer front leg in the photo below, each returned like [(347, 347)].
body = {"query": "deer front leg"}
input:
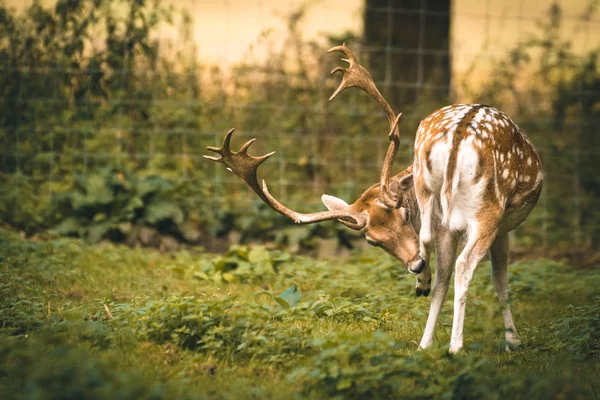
[(499, 256), (423, 286), (446, 255), (477, 245)]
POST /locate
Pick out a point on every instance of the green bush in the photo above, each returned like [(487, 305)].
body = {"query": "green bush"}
[(222, 328), (113, 204), (21, 206), (380, 368), (51, 368), (376, 368), (578, 332)]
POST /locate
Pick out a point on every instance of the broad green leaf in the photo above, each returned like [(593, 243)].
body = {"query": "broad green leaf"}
[(259, 255), (158, 211), (178, 270), (228, 277), (97, 232), (68, 226), (289, 298), (151, 185), (200, 275), (263, 293)]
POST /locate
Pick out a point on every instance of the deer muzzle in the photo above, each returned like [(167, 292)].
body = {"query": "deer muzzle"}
[(417, 266)]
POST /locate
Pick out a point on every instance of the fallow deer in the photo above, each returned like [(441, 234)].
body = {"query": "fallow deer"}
[(474, 178)]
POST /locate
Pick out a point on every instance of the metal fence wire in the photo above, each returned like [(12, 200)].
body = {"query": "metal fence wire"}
[(157, 120)]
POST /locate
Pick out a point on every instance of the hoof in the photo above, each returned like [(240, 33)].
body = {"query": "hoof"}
[(513, 346), (423, 287)]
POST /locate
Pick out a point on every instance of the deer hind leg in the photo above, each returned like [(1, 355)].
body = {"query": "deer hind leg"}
[(477, 245), (499, 257), (446, 255)]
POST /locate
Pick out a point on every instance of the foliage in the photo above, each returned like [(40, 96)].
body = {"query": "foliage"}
[(112, 204), (578, 332), (380, 368), (20, 206), (241, 264), (221, 328), (49, 368), (376, 369), (139, 320)]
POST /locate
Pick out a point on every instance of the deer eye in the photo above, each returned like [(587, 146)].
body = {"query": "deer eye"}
[(372, 243)]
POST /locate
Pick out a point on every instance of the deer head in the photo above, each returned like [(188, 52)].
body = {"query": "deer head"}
[(381, 210)]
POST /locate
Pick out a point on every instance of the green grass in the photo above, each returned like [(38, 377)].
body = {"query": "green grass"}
[(191, 325)]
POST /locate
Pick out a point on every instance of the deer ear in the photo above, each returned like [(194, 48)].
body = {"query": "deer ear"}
[(406, 182), (333, 203)]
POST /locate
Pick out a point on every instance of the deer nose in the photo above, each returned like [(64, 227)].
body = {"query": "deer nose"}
[(417, 266)]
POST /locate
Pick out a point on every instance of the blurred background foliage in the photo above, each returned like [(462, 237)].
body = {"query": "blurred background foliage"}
[(102, 129)]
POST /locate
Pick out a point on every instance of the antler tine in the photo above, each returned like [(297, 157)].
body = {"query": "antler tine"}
[(357, 76), (245, 167)]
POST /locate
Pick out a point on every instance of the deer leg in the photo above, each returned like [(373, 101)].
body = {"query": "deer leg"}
[(446, 255), (476, 247), (499, 256), (423, 286)]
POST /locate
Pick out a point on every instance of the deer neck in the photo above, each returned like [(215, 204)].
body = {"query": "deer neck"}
[(409, 200)]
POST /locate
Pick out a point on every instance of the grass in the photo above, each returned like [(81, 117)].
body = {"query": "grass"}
[(114, 322)]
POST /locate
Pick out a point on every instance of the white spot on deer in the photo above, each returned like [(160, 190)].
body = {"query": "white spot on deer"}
[(496, 187), (505, 173), (501, 157), (526, 178), (513, 183), (479, 116), (539, 177), (528, 160)]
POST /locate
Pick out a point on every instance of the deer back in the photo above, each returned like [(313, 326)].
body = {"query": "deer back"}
[(477, 163)]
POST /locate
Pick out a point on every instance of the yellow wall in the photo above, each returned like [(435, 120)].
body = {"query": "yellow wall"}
[(484, 30), (225, 31)]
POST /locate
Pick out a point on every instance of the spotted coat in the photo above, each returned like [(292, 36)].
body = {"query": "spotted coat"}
[(478, 164)]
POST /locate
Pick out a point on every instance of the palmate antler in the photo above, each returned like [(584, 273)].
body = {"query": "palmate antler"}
[(245, 166), (357, 76)]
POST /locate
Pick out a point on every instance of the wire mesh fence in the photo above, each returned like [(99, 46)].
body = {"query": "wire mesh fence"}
[(65, 117)]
